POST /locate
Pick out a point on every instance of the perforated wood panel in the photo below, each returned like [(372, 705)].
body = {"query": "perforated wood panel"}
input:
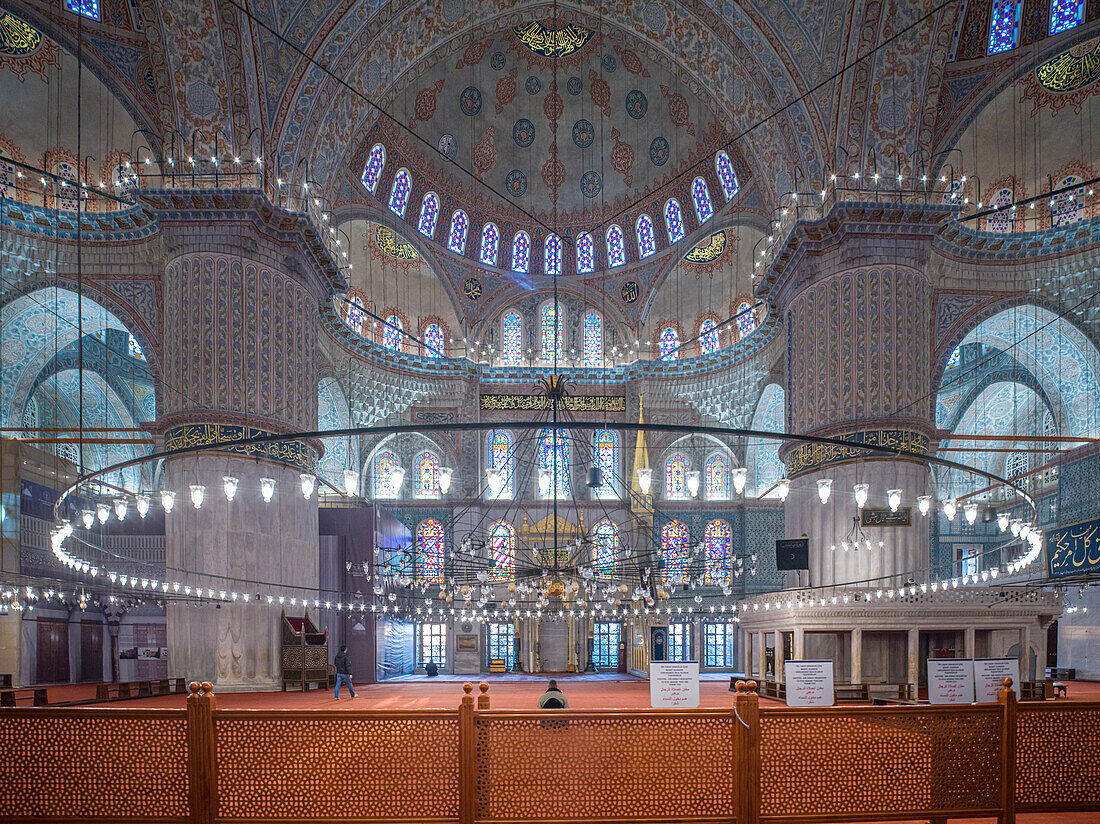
[(93, 763), (879, 761), (1058, 756), (322, 765), (605, 765)]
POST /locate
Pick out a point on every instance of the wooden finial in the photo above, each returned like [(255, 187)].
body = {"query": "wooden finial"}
[(1006, 682), (194, 687), (740, 686), (468, 688), (751, 685)]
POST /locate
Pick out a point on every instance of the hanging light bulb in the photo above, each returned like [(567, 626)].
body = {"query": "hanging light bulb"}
[(495, 481), (783, 487), (924, 504), (229, 485), (824, 487), (971, 512), (740, 476), (893, 498), (267, 489), (1025, 530), (645, 479), (950, 507), (544, 482), (397, 477), (167, 500), (142, 502), (1014, 526), (351, 481), (88, 517), (693, 482), (103, 511), (120, 508), (445, 475), (198, 493), (1002, 521), (308, 481), (862, 492)]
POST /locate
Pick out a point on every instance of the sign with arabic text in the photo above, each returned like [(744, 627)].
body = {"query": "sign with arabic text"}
[(809, 683), (673, 684), (228, 438), (809, 456), (884, 516), (536, 403), (553, 43), (950, 681), (1072, 550)]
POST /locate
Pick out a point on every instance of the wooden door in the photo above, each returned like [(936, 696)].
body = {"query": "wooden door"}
[(91, 651), (53, 651)]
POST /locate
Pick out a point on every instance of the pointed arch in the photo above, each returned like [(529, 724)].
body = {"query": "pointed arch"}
[(456, 242), (502, 552), (593, 339), (399, 193), (501, 457), (669, 344), (553, 456), (674, 553), (700, 196), (435, 341), (674, 220), (372, 171), (552, 328), (490, 239), (677, 467), (521, 252), (429, 552), (429, 211), (552, 254), (605, 549), (709, 340), (605, 455), (716, 484), (511, 336), (647, 244), (717, 544), (382, 486), (585, 257), (616, 251)]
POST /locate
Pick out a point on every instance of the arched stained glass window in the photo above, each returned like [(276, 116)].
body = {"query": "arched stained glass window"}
[(502, 552), (669, 344), (1004, 25), (489, 240), (356, 316), (593, 339), (392, 337), (134, 348), (553, 456), (708, 337), (1066, 207), (521, 250), (457, 240), (674, 552), (1002, 220), (382, 481), (953, 360), (429, 552), (1066, 14), (616, 254), (717, 540), (399, 194), (552, 249), (674, 221), (717, 484), (427, 475), (726, 175), (553, 334), (700, 194), (746, 320), (372, 172), (89, 8), (605, 449), (512, 337), (434, 340), (646, 244), (502, 460), (676, 469), (66, 187), (429, 211), (605, 549), (585, 259)]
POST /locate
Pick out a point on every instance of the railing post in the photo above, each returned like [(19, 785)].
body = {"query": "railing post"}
[(747, 722), (467, 753), (1007, 699), (483, 699), (202, 755)]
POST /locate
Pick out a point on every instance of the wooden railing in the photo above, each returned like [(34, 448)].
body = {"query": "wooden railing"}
[(746, 764)]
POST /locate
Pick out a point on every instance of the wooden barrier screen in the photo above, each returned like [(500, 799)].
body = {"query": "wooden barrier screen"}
[(479, 765)]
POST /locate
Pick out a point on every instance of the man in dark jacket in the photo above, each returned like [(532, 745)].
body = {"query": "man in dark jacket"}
[(343, 671)]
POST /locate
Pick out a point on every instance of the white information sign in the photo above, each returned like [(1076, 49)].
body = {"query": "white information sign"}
[(809, 683), (674, 683), (951, 680), (989, 673)]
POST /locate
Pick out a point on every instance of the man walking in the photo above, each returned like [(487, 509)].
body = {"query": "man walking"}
[(343, 671)]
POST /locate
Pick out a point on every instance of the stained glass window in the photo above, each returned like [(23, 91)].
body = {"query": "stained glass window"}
[(552, 250), (701, 195), (554, 457), (726, 175), (605, 449), (372, 172), (553, 335), (1002, 220), (384, 464), (674, 221), (1004, 27), (674, 552), (502, 460), (502, 552), (512, 337), (585, 259), (708, 337), (429, 211), (669, 344), (429, 552), (605, 549), (616, 256), (521, 250), (89, 8), (953, 361), (1066, 207), (489, 240), (746, 321), (676, 469), (433, 337), (646, 244), (399, 194), (717, 483), (356, 315), (427, 475), (1065, 14), (392, 334), (593, 340), (135, 349), (502, 643), (459, 224)]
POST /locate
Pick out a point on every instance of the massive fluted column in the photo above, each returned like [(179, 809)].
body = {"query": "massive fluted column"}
[(239, 339)]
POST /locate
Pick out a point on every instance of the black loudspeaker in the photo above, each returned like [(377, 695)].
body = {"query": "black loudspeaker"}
[(792, 553)]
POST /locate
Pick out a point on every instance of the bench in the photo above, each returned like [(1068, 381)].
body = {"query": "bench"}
[(140, 689), (851, 693), (34, 696), (1037, 690), (1062, 673), (887, 700)]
